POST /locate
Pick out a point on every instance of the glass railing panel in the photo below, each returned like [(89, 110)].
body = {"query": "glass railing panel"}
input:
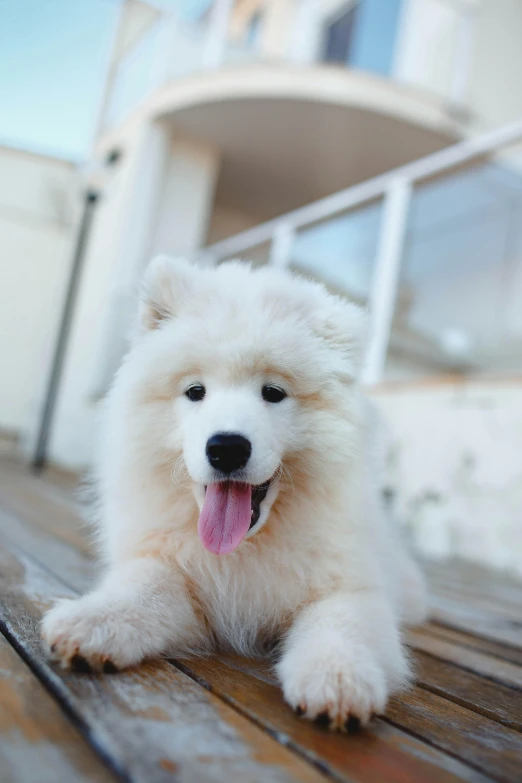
[(459, 305), (340, 251)]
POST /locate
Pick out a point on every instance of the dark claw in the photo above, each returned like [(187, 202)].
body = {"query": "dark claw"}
[(79, 664), (109, 667), (323, 719), (352, 724), (299, 710)]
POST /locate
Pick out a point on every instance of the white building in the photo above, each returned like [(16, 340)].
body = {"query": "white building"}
[(38, 197), (253, 109)]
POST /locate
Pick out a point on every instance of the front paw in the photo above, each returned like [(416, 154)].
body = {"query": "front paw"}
[(85, 636), (340, 689)]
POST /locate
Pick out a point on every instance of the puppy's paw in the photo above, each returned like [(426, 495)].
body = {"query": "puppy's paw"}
[(84, 635), (339, 690)]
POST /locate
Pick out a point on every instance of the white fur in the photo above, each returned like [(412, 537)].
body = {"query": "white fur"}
[(322, 570)]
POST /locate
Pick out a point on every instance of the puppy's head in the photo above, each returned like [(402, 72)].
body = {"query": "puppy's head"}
[(247, 377)]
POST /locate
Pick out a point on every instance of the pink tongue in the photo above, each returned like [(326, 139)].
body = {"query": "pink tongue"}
[(225, 517)]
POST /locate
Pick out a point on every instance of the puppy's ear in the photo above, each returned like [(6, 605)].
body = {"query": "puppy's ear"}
[(344, 328), (166, 286)]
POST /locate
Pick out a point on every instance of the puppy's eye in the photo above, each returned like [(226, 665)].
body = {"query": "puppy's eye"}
[(196, 392), (273, 393)]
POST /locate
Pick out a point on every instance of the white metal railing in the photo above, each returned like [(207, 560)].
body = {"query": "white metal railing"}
[(395, 187)]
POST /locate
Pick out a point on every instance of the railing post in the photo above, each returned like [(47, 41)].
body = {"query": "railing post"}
[(281, 248), (217, 33), (386, 277)]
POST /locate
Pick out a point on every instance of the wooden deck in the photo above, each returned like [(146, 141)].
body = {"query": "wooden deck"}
[(224, 719)]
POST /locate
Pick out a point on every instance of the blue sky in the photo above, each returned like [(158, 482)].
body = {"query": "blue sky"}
[(53, 59)]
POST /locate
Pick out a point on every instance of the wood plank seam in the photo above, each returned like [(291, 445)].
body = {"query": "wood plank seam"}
[(58, 690), (469, 706), (280, 737), (300, 732), (41, 674), (435, 745), (459, 665), (38, 742), (455, 626), (475, 644), (62, 702)]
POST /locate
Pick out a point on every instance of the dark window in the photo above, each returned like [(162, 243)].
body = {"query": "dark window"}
[(339, 36), (363, 35)]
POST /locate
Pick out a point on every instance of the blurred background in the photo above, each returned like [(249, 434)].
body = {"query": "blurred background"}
[(375, 145)]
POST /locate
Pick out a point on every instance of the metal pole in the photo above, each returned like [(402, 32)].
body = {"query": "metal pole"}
[(386, 277), (60, 349)]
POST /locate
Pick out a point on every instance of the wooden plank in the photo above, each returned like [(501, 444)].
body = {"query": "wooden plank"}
[(472, 579), (34, 500), (481, 663), (381, 752), (395, 737), (386, 746), (469, 690), (500, 596), (489, 604), (37, 743), (61, 478), (72, 565), (483, 743), (468, 641), (150, 721), (77, 570), (473, 620)]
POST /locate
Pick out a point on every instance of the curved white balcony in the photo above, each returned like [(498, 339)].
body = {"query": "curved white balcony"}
[(308, 58), (290, 127)]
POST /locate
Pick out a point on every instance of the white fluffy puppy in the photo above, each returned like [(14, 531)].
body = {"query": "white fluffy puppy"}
[(239, 496)]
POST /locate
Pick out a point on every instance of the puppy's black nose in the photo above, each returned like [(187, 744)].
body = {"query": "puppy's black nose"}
[(228, 451)]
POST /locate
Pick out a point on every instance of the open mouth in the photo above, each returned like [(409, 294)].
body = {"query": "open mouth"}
[(230, 510), (258, 495)]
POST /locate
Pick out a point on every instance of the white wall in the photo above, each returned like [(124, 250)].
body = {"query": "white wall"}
[(495, 93), (187, 196), (425, 54), (430, 48), (38, 196), (454, 467)]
